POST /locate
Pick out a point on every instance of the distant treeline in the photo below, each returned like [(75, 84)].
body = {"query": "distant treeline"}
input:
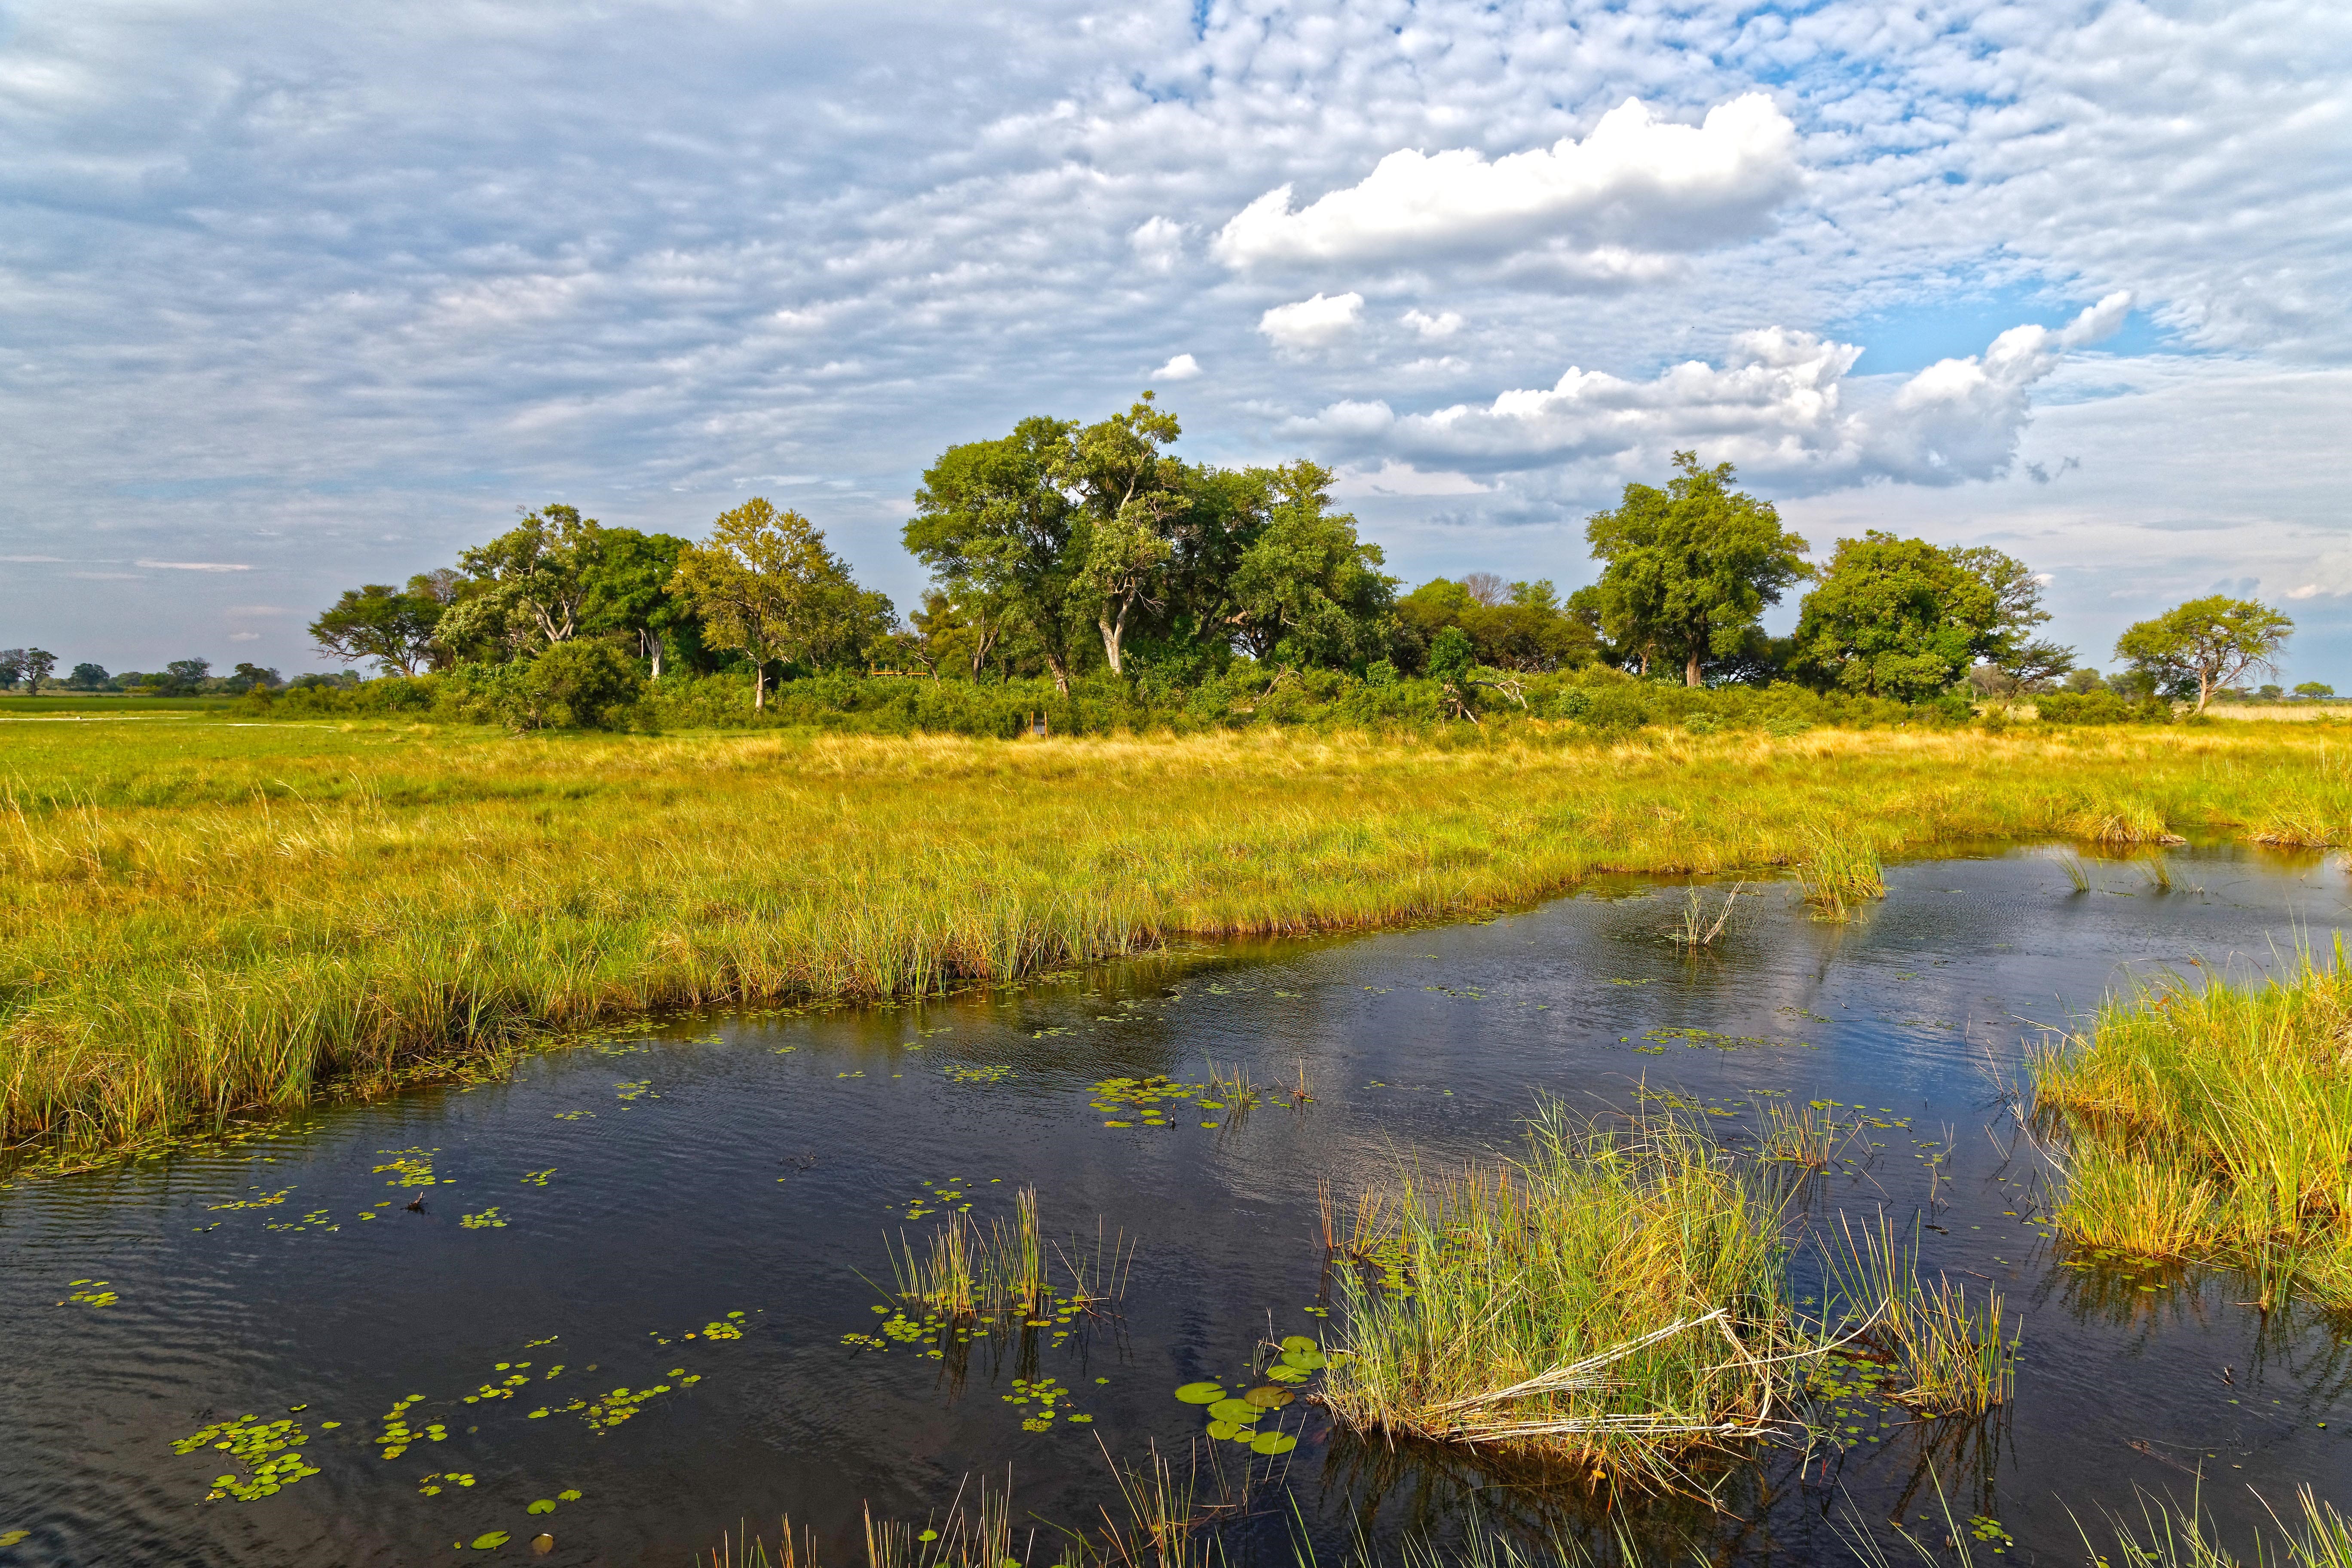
[(1081, 569)]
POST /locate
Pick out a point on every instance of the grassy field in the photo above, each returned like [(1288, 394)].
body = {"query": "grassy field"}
[(198, 917)]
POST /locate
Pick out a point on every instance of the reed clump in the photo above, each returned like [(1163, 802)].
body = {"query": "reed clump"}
[(1841, 873), (203, 921), (1929, 1346), (1001, 1275), (1611, 1301), (2171, 1534), (2210, 1124)]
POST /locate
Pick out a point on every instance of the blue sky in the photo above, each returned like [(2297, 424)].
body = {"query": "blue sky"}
[(294, 296)]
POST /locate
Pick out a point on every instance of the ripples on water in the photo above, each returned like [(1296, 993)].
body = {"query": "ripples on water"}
[(715, 1165)]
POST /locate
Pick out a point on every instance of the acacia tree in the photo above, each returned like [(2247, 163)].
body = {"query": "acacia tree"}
[(765, 586), (380, 622), (1691, 568), (532, 578), (994, 527), (2206, 643)]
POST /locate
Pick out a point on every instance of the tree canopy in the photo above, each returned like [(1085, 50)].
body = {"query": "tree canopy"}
[(2205, 643)]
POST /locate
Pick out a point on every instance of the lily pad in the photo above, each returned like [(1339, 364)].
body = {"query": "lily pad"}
[(1299, 1342), (1273, 1443), (1280, 1372), (1306, 1360), (491, 1540), (1233, 1410), (544, 1505), (1221, 1430), (568, 1495), (1201, 1393), (1266, 1396)]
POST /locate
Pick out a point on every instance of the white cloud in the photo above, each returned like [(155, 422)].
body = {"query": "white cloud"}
[(1395, 478), (244, 636), (1443, 324), (1777, 406), (1312, 323), (195, 565), (1636, 187), (1157, 243), (1184, 367)]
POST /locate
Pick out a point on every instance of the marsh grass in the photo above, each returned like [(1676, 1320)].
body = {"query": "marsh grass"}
[(1841, 872), (1930, 1346), (198, 920), (961, 1272), (1807, 1135), (2210, 1124), (1697, 931), (2183, 1536), (1609, 1301)]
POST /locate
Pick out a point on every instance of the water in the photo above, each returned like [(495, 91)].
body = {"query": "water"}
[(756, 1165)]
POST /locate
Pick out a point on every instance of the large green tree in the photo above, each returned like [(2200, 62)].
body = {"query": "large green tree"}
[(993, 525), (1892, 618), (1306, 589), (1131, 503), (1690, 569), (626, 592), (765, 584), (2204, 644), (528, 584)]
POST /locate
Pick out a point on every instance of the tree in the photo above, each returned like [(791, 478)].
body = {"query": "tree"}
[(187, 677), (994, 527), (2006, 642), (1518, 626), (2204, 644), (532, 580), (2314, 690), (625, 591), (38, 663), (87, 677), (249, 677), (1896, 617), (1691, 568), (2085, 681), (380, 622), (12, 667), (767, 586), (1129, 501), (1307, 590)]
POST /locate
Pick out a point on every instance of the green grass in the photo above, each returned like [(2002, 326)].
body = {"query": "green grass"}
[(1607, 1302), (198, 919), (1928, 1346), (2210, 1124)]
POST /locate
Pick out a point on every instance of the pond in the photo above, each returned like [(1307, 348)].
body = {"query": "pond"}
[(699, 1214)]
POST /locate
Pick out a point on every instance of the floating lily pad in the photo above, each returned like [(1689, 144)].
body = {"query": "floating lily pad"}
[(1306, 1360), (1221, 1430), (1266, 1396), (568, 1495), (491, 1540), (1201, 1393), (1232, 1410), (1299, 1342), (1273, 1443), (1285, 1373), (544, 1505)]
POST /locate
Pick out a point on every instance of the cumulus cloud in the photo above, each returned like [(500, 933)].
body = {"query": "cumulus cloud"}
[(1184, 367), (1778, 405), (1312, 323), (1395, 478), (1443, 324), (1158, 244), (1638, 186)]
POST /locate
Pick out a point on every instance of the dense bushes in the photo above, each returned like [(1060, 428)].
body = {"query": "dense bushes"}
[(589, 684), (2101, 708)]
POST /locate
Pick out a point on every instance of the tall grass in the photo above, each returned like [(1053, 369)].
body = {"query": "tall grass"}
[(1609, 1300), (1001, 1274), (1931, 1347), (2212, 1124), (1840, 873), (203, 919)]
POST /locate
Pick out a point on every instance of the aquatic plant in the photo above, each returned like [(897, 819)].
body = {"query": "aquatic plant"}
[(1697, 931), (216, 921), (2209, 1124), (1840, 872), (1611, 1301), (1927, 1346)]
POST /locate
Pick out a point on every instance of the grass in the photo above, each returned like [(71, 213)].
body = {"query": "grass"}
[(1840, 872), (2210, 1124), (1606, 1302), (198, 919), (1930, 1346)]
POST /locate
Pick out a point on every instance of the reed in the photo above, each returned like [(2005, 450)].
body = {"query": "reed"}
[(2169, 1533), (1929, 1345), (1697, 931), (1840, 873), (1611, 1302), (208, 920), (1805, 1135), (2209, 1124)]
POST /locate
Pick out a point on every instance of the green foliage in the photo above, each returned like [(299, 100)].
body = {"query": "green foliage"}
[(1307, 590), (382, 622), (2205, 643), (527, 584), (2311, 688), (1897, 617), (767, 586), (1521, 627), (1690, 569), (2100, 708)]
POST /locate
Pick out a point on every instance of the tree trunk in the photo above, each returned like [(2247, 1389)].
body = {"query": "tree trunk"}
[(1111, 632), (1690, 672), (758, 685), (1061, 673), (2204, 688)]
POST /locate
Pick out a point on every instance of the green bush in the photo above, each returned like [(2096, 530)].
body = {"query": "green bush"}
[(2101, 708)]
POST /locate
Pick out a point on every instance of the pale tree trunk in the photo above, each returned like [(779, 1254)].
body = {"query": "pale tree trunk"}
[(983, 642), (1690, 672), (1112, 631), (1061, 673), (758, 685), (652, 645), (2204, 688)]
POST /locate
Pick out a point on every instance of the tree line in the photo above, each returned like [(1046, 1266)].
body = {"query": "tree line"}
[(1064, 550)]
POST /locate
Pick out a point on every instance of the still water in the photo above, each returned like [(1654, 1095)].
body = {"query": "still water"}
[(603, 1210)]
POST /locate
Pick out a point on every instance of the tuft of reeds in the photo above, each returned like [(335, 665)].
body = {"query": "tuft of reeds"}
[(2124, 822), (2210, 1124), (2075, 872), (1935, 1349), (1697, 931), (1611, 1301), (1840, 873), (2170, 1533), (217, 921), (976, 1535), (962, 1272), (1805, 1135)]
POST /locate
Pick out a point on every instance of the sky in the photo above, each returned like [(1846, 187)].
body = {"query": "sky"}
[(294, 297)]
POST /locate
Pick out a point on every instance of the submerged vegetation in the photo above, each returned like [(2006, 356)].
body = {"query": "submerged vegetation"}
[(2210, 1124), (201, 920)]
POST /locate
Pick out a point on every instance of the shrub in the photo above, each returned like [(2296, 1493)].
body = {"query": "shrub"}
[(2100, 708)]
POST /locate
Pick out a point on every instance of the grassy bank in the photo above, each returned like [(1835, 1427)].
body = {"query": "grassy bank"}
[(2210, 1125), (203, 917)]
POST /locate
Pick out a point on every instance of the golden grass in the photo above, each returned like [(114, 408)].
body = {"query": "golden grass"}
[(200, 918), (2211, 1124)]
